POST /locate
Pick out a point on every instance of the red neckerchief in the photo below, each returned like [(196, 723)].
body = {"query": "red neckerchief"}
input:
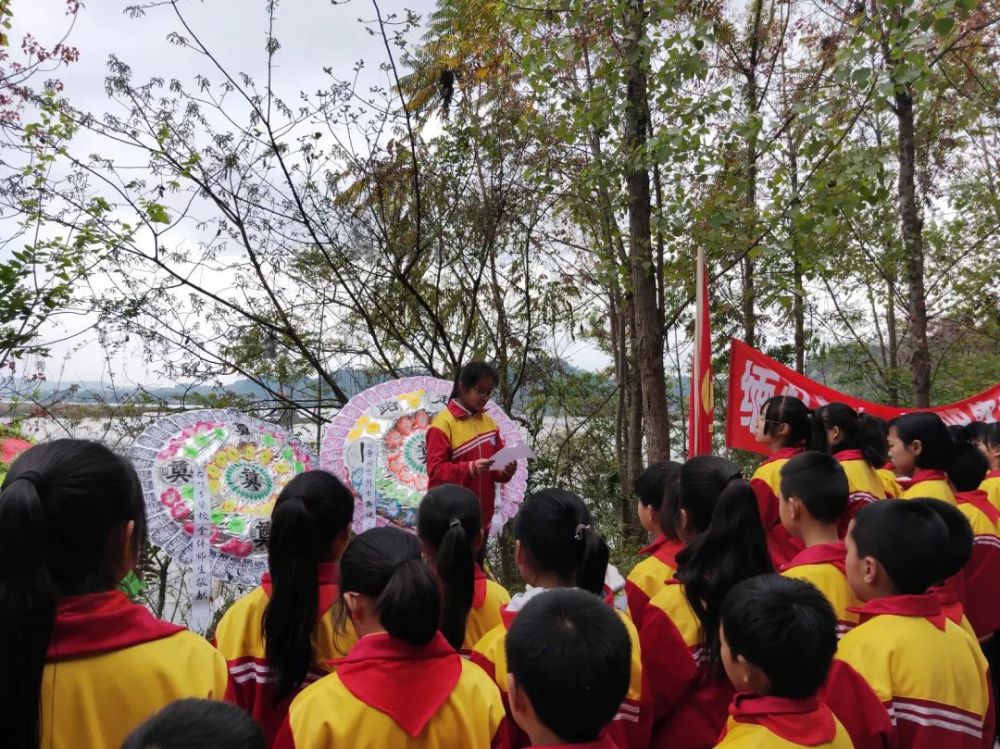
[(808, 721), (980, 500), (101, 622), (845, 455), (603, 742), (783, 454), (407, 683), (951, 606), (664, 550), (925, 606), (993, 475), (927, 474), (478, 587), (888, 466), (834, 553), (328, 575), (459, 411)]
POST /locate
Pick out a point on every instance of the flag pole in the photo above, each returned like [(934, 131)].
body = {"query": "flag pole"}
[(699, 327)]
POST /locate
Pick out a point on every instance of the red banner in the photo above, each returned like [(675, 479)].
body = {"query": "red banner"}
[(754, 377)]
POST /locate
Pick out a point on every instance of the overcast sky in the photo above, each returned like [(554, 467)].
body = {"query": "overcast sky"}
[(313, 34)]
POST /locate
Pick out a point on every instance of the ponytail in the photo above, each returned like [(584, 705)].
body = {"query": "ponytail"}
[(311, 511), (385, 564), (27, 609), (860, 432), (938, 446), (731, 548), (409, 606), (449, 521), (787, 409), (61, 506), (554, 527), (593, 567)]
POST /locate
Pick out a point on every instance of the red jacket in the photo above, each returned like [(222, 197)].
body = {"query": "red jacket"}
[(766, 482), (982, 572), (456, 439)]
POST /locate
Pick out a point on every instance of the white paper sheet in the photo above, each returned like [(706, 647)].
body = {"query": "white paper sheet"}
[(510, 454)]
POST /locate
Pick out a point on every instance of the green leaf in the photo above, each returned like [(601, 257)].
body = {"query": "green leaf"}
[(944, 25), (157, 213)]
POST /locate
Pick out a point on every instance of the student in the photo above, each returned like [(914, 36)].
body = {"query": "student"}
[(280, 637), (856, 441), (982, 570), (813, 499), (72, 526), (878, 435), (922, 448), (450, 529), (656, 488), (778, 639), (928, 672), (198, 724), (462, 437), (568, 669), (725, 544), (949, 587), (990, 447), (402, 684), (783, 429), (556, 546)]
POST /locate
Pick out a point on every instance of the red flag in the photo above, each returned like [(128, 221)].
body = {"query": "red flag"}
[(702, 402)]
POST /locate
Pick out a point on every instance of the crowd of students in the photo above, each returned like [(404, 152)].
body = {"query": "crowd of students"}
[(842, 597)]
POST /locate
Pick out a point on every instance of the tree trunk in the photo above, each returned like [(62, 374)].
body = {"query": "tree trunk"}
[(648, 332), (799, 291), (913, 244), (751, 100), (892, 344)]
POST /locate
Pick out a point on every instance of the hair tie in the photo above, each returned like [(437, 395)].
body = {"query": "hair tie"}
[(454, 522), (578, 535), (32, 477)]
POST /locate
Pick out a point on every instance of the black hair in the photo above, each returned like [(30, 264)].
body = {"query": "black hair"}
[(957, 432), (819, 481), (449, 519), (571, 655), (670, 505), (198, 724), (875, 439), (968, 467), (652, 484), (786, 628), (960, 537), (309, 513), (786, 409), (974, 432), (861, 432), (61, 507), (731, 546), (471, 373), (385, 564), (555, 529), (938, 446), (909, 540), (992, 438)]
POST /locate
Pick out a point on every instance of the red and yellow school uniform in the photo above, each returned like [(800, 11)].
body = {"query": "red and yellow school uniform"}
[(929, 673), (388, 693), (982, 571), (488, 598), (857, 707), (889, 481), (825, 566), (864, 485), (782, 723), (456, 439), (766, 482), (629, 729), (991, 485), (240, 638), (689, 702), (649, 576), (111, 664), (929, 483)]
